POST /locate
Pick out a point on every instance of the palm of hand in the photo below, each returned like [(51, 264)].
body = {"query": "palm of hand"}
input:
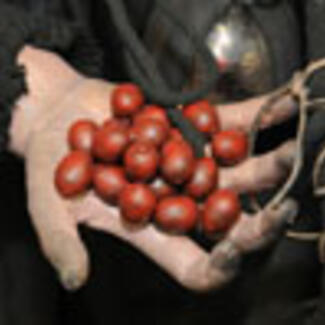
[(56, 219)]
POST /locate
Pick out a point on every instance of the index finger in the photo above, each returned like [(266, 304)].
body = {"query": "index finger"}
[(243, 114)]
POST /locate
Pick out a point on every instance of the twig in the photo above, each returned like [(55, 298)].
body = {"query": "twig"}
[(299, 90)]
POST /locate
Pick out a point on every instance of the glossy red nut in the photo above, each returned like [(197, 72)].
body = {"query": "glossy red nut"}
[(152, 112), (175, 134), (204, 179), (230, 147), (81, 135), (203, 116), (177, 214), (117, 122), (150, 130), (110, 143), (109, 181), (175, 144), (221, 210), (161, 188), (132, 133), (127, 99), (137, 203), (177, 164), (74, 174), (141, 161)]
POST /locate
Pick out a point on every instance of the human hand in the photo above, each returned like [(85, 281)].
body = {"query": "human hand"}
[(39, 131)]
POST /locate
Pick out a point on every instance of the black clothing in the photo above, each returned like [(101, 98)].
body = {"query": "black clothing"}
[(276, 287)]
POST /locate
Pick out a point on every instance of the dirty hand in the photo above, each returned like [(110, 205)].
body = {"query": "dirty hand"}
[(57, 96)]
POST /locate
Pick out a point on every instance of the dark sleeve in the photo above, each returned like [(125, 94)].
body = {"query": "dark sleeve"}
[(139, 11), (20, 25), (104, 30)]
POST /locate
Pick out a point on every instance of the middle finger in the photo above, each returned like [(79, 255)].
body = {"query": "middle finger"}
[(259, 173), (242, 115)]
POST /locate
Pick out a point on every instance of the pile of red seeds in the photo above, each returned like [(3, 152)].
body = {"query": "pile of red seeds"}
[(140, 163)]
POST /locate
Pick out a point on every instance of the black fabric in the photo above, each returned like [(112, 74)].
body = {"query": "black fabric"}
[(28, 286), (18, 28), (144, 71)]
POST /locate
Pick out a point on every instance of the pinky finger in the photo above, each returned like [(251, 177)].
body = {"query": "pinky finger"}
[(252, 233)]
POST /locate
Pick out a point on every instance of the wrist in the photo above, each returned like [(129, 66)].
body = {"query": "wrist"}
[(48, 79)]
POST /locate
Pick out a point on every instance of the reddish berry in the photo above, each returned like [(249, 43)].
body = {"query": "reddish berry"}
[(109, 181), (230, 147), (177, 214), (132, 133), (178, 162), (175, 144), (150, 130), (204, 179), (141, 161), (203, 116), (74, 173), (152, 112), (221, 211), (161, 188), (81, 135), (127, 100), (175, 134), (110, 142), (117, 122), (137, 203)]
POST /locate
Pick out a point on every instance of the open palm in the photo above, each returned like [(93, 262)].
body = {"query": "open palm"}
[(56, 219)]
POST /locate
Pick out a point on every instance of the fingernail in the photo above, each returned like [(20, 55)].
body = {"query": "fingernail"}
[(290, 210), (71, 281), (226, 257), (286, 158)]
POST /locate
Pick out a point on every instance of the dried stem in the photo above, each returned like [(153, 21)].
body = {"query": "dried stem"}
[(299, 90)]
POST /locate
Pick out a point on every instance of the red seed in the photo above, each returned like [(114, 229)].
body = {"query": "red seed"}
[(178, 162), (127, 100), (177, 214), (152, 112), (121, 122), (230, 147), (150, 130), (174, 145), (81, 135), (109, 181), (204, 179), (132, 134), (203, 116), (175, 134), (74, 174), (137, 203), (110, 143), (141, 161), (221, 210), (161, 188)]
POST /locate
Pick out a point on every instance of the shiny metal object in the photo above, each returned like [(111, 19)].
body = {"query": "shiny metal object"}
[(238, 44), (241, 53)]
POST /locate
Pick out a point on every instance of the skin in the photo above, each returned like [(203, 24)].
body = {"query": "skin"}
[(57, 96)]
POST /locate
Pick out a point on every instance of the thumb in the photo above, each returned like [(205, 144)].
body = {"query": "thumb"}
[(56, 227), (66, 253)]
